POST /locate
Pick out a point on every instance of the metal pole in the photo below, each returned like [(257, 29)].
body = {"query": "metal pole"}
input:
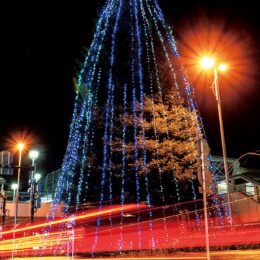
[(18, 185), (14, 195), (224, 151), (204, 199), (32, 192)]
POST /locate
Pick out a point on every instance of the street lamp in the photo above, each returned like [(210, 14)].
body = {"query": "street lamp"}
[(3, 199), (14, 187), (33, 156), (37, 176), (20, 147), (209, 63)]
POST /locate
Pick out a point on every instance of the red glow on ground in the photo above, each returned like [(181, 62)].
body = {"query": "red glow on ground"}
[(91, 214), (170, 231), (171, 226), (175, 236)]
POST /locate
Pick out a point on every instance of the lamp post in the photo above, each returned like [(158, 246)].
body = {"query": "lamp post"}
[(36, 192), (204, 198), (20, 147), (3, 199), (14, 188), (209, 63), (37, 177), (2, 183), (33, 156)]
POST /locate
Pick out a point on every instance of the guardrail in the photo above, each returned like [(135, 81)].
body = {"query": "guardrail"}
[(25, 196)]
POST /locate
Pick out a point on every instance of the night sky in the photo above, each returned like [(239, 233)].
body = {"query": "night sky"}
[(42, 46)]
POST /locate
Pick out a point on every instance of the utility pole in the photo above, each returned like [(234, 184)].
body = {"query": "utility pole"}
[(204, 198), (20, 147), (3, 199), (223, 143), (32, 191), (33, 154)]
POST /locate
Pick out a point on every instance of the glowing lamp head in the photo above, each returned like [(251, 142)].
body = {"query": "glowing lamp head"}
[(223, 67), (20, 146), (207, 63), (14, 186), (37, 176), (33, 155)]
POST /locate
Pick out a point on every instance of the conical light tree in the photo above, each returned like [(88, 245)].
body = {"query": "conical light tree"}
[(135, 117), (134, 131)]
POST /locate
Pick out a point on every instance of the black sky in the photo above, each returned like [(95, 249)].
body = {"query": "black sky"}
[(42, 45)]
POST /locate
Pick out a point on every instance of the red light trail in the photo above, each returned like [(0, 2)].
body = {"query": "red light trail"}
[(29, 241)]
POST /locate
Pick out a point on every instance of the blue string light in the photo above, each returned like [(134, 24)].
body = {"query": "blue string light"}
[(122, 197), (141, 87), (110, 98), (189, 90), (195, 204), (88, 141), (86, 163), (175, 53), (145, 17), (176, 182), (71, 156), (136, 153), (146, 26)]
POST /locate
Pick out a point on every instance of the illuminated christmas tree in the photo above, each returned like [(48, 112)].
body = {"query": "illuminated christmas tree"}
[(135, 124), (135, 114)]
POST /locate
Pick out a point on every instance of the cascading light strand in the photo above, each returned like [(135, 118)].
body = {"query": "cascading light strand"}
[(189, 90), (88, 140), (161, 38), (191, 102), (159, 85), (91, 142), (107, 114), (110, 163), (70, 159), (106, 146), (196, 207), (73, 137), (98, 36), (169, 36), (141, 89), (74, 156), (122, 196), (135, 119), (146, 25), (167, 55)]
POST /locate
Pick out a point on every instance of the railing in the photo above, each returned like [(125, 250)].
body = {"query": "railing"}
[(25, 196), (246, 208)]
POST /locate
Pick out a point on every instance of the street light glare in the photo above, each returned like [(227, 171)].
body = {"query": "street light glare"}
[(223, 67), (37, 176), (33, 154), (207, 63), (20, 146), (14, 186)]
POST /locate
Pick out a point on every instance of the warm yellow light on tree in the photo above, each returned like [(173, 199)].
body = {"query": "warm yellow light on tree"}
[(222, 67), (207, 63)]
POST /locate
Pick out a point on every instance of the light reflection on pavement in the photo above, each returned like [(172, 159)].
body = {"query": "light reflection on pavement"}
[(215, 255)]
